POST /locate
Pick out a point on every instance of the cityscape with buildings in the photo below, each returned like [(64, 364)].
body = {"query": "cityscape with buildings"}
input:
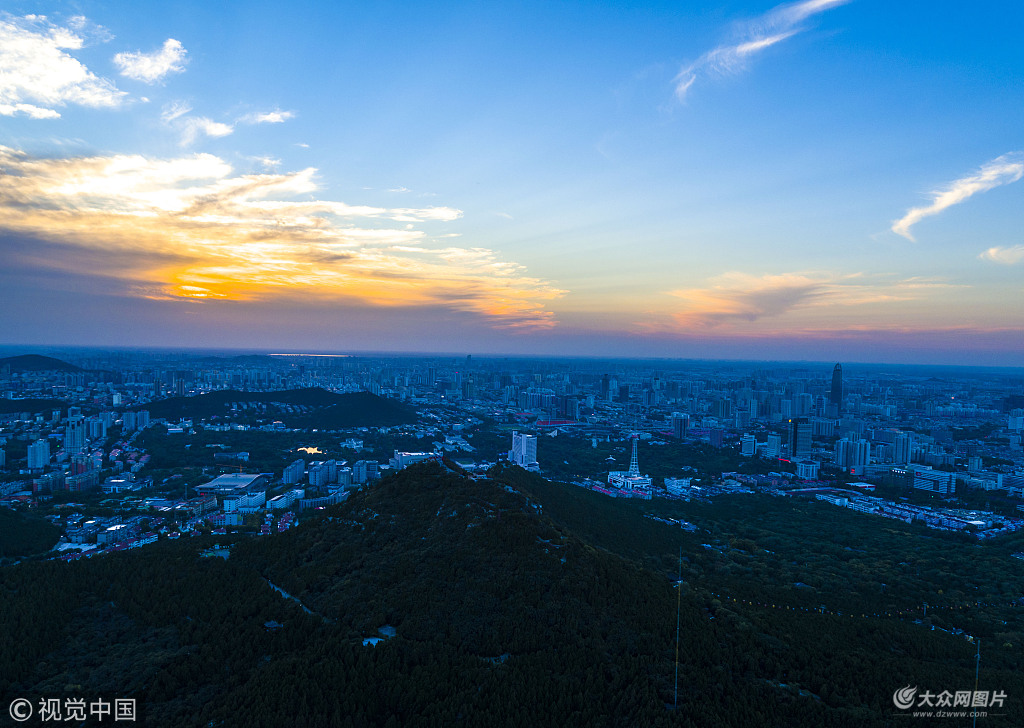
[(940, 447)]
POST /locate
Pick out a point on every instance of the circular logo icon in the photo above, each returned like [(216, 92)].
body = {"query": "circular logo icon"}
[(21, 709), (904, 697)]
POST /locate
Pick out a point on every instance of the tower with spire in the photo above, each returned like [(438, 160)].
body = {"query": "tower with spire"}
[(631, 483)]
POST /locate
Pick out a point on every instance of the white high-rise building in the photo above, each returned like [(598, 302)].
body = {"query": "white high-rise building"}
[(524, 451), (904, 448), (38, 454), (748, 445)]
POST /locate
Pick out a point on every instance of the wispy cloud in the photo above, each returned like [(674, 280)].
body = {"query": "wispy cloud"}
[(738, 296), (1000, 171), (735, 298), (153, 67), (267, 162), (1006, 256), (191, 128), (267, 117), (256, 237), (773, 27), (37, 73), (174, 111)]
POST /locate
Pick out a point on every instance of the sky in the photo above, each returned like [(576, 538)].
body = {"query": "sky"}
[(818, 180)]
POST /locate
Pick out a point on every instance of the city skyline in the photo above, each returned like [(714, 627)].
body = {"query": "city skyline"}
[(824, 180)]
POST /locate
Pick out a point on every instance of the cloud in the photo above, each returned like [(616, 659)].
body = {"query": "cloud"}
[(1000, 171), (255, 237), (267, 117), (775, 26), (38, 75), (174, 111), (734, 298), (153, 67), (176, 116), (738, 296), (1006, 256), (267, 162), (195, 126)]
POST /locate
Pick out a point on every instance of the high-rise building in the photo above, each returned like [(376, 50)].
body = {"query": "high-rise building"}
[(680, 424), (294, 472), (774, 448), (836, 395), (807, 470), (74, 435), (97, 428), (748, 445), (904, 448), (38, 454), (318, 476), (524, 450), (853, 454), (799, 437)]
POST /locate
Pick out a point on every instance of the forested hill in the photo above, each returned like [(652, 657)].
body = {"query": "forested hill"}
[(36, 363), (31, 405), (488, 612), (312, 407), (21, 534)]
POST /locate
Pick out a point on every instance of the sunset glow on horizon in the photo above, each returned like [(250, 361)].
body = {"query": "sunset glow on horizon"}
[(826, 179)]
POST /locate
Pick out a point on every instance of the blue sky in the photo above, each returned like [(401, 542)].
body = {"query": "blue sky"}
[(825, 179)]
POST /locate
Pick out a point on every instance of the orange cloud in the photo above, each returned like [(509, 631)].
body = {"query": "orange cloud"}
[(734, 299), (257, 237)]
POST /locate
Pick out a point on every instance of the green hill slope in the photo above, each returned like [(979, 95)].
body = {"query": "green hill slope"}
[(22, 535), (489, 612), (36, 363)]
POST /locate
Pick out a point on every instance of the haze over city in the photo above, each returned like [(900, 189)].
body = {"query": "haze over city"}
[(828, 180)]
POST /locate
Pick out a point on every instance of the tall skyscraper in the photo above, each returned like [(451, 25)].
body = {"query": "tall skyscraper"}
[(836, 395), (799, 437)]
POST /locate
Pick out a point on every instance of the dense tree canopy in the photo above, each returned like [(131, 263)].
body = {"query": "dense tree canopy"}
[(515, 601)]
